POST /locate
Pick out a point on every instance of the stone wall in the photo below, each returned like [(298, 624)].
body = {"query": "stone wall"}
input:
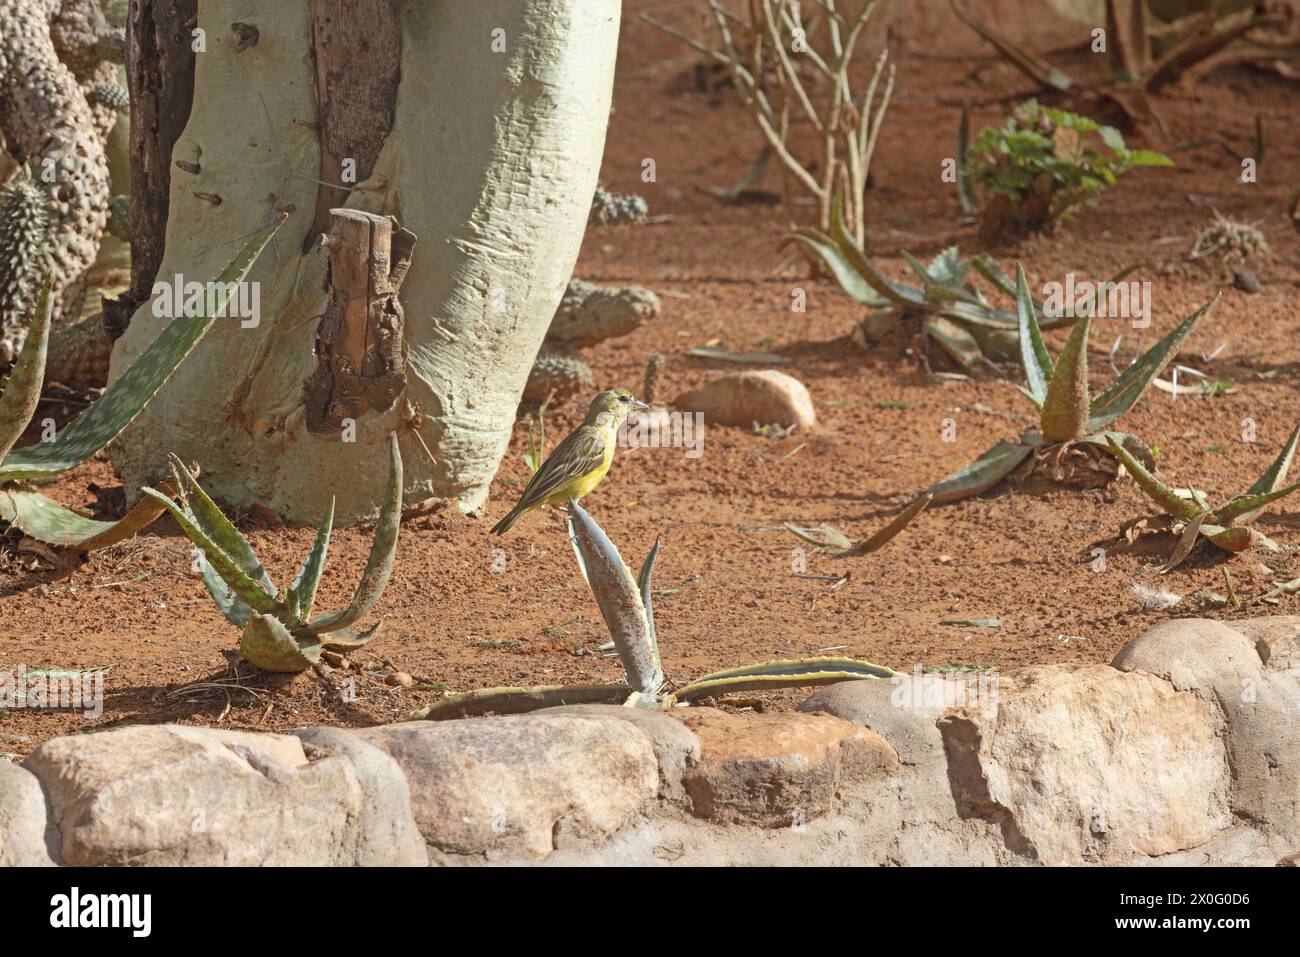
[(1182, 751)]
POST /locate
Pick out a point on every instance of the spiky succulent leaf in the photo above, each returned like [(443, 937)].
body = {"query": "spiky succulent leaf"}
[(828, 254), (644, 587), (896, 525), (954, 340), (1064, 416), (267, 644), (982, 474), (772, 675), (231, 606), (209, 517), (1235, 538), (302, 593), (1273, 476), (619, 599), (894, 292), (53, 524), (383, 547), (1135, 380), (1186, 542), (348, 639), (23, 392), (1033, 353), (1170, 502), (249, 590), (948, 268), (1242, 510), (122, 401), (517, 700)]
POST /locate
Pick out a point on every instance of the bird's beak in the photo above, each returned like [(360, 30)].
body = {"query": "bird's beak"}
[(639, 406)]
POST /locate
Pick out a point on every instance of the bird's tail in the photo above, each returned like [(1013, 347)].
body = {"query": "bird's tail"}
[(503, 526)]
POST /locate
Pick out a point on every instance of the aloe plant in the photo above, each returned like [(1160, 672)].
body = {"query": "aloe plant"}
[(626, 605), (30, 511), (280, 633), (951, 310), (1189, 513), (832, 540), (1068, 414)]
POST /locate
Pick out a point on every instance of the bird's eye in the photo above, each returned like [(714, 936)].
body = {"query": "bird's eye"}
[(625, 398)]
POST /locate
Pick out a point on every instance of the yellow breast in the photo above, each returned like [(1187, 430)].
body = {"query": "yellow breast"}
[(581, 486)]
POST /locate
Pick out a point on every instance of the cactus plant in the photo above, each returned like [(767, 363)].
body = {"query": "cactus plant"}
[(280, 633), (609, 208), (23, 224), (98, 425), (1190, 516), (1070, 418), (626, 605), (952, 312)]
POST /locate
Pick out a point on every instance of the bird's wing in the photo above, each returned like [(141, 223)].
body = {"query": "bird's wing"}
[(582, 450)]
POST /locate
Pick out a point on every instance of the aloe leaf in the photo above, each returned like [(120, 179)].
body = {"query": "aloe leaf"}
[(209, 517), (982, 474), (1247, 508), (51, 523), (644, 587), (619, 599), (829, 255), (955, 341), (267, 644), (23, 392), (1186, 542), (517, 700), (1064, 416), (772, 675), (382, 549), (348, 639), (1130, 443), (233, 608), (896, 525), (302, 593), (1170, 502), (894, 292), (249, 590), (965, 190), (1128, 388), (1235, 538), (1276, 473), (948, 268), (122, 401), (1034, 67), (1033, 353)]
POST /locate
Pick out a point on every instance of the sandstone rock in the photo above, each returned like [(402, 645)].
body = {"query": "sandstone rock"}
[(767, 397), (23, 822), (168, 795), (1223, 665), (778, 770), (386, 835), (1090, 764), (676, 747), (524, 782)]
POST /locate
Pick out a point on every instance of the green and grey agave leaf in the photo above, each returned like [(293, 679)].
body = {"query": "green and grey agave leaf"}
[(1068, 414), (1190, 516), (279, 632), (97, 426), (953, 313), (627, 607)]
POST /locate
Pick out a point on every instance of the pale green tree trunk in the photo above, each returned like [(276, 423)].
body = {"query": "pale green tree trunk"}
[(498, 126)]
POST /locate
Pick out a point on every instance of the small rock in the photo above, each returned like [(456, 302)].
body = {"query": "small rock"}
[(336, 660), (399, 679), (1245, 281), (23, 822), (779, 770), (767, 397)]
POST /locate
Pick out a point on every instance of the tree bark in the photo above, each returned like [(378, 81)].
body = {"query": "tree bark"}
[(497, 130), (160, 80)]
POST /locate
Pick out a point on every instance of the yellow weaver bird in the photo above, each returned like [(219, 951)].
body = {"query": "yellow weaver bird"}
[(579, 462)]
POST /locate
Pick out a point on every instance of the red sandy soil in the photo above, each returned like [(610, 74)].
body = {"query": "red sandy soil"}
[(1019, 554)]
